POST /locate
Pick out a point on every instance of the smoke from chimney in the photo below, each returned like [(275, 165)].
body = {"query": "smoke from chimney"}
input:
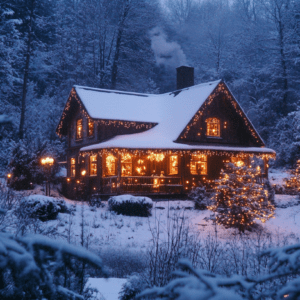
[(166, 53)]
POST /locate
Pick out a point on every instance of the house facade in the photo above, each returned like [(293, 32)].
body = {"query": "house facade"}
[(121, 142)]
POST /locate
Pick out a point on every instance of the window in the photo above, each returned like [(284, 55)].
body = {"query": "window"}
[(79, 129), (90, 127), (198, 164), (110, 165), (213, 127), (126, 164), (93, 165), (173, 164), (72, 168)]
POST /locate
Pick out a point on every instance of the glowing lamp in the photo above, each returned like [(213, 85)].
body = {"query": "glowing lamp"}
[(68, 179), (47, 161), (78, 181), (9, 175), (83, 172)]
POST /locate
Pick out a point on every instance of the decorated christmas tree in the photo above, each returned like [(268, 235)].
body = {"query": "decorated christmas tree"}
[(293, 183), (239, 200)]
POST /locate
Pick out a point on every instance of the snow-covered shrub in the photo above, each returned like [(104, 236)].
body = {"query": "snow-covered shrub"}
[(198, 284), (129, 205), (43, 207), (200, 197), (95, 201), (132, 287), (35, 267)]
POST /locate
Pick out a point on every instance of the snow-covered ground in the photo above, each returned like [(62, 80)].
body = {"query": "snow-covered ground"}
[(107, 230), (108, 289)]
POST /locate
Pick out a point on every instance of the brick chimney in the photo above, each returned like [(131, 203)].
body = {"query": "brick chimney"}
[(185, 77)]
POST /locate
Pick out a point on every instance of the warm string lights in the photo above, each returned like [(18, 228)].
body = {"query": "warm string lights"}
[(293, 183), (239, 200), (156, 156), (152, 152), (221, 88)]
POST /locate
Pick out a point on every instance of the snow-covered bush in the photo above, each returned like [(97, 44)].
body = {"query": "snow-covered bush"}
[(200, 197), (35, 267), (129, 205), (132, 287), (43, 207), (198, 284)]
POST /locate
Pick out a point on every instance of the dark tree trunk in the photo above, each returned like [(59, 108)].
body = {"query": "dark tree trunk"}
[(114, 72), (26, 72)]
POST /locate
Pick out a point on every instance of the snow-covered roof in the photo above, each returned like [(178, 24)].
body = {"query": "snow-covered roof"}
[(172, 111)]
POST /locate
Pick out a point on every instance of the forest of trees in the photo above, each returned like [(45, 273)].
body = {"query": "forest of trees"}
[(47, 46)]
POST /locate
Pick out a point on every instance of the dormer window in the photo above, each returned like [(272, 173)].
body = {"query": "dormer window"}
[(90, 127), (79, 129), (213, 127)]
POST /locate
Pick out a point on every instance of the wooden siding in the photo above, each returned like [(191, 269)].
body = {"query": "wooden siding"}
[(236, 132)]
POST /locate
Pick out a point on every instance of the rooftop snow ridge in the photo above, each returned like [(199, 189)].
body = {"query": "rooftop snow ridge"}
[(176, 92)]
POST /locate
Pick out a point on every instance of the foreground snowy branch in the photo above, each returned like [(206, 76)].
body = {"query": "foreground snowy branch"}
[(34, 265), (283, 281)]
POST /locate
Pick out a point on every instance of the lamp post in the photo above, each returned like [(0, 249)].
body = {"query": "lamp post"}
[(47, 163)]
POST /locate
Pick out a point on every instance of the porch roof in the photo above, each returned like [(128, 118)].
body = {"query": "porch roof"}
[(154, 139)]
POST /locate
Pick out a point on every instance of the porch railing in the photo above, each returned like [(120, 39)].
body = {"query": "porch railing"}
[(142, 184)]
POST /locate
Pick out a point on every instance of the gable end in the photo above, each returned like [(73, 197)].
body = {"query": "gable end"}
[(214, 107)]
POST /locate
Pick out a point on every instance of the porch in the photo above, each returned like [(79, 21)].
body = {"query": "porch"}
[(142, 185)]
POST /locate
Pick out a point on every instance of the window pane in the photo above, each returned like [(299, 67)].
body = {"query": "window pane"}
[(90, 127), (72, 169), (213, 127), (79, 129), (173, 164), (110, 165), (93, 165), (198, 164), (126, 164)]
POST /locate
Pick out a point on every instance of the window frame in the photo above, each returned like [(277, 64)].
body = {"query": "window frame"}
[(76, 132), (197, 162), (170, 165), (124, 162), (72, 167), (93, 163), (115, 163), (210, 122)]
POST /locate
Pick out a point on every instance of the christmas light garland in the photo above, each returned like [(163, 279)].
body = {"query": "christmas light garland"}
[(220, 89)]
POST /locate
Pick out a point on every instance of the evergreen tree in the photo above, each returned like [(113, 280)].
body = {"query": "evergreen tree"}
[(239, 199), (293, 183)]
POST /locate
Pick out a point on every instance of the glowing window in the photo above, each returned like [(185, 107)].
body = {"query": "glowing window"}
[(73, 169), (90, 127), (110, 165), (213, 127), (198, 164), (173, 164), (126, 164), (93, 165), (79, 129)]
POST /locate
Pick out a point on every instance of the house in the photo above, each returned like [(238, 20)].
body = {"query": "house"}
[(122, 142)]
